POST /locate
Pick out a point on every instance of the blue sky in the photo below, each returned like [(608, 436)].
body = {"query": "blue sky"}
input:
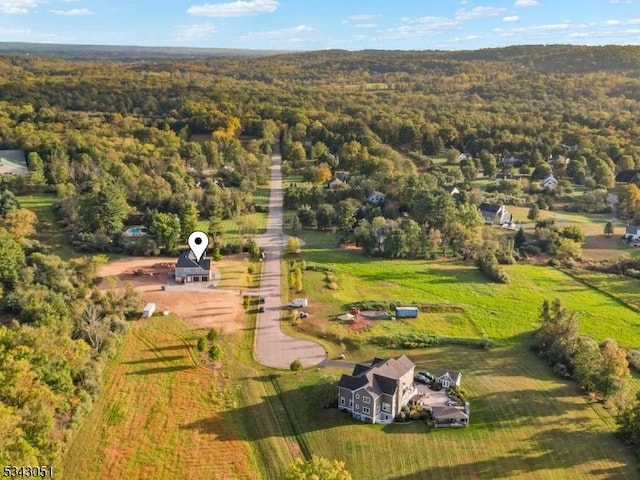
[(314, 25)]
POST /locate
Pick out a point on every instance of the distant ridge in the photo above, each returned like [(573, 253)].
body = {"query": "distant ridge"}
[(122, 52)]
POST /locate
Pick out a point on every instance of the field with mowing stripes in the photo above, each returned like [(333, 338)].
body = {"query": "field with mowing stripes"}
[(525, 424), (163, 415)]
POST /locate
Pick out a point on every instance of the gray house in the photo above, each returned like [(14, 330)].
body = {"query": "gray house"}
[(188, 269), (632, 233), (448, 378), (375, 393), (495, 214)]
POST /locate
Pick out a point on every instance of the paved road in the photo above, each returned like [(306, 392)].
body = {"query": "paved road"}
[(273, 347)]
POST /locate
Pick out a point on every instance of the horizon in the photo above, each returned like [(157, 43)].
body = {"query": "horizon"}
[(286, 25)]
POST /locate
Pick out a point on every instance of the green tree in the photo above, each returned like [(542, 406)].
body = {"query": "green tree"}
[(189, 218), (574, 233), (12, 259), (8, 201), (35, 177), (104, 210), (215, 353), (608, 228), (317, 468), (166, 227), (558, 333), (296, 365), (534, 212), (20, 223), (293, 245)]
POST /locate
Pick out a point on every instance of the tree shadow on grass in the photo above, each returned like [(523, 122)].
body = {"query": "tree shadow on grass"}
[(154, 360), (549, 450), (152, 371)]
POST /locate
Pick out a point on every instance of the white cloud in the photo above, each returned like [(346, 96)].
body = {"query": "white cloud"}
[(613, 22), (17, 6), (239, 8), (362, 17), (73, 12), (634, 20), (194, 32), (289, 34), (527, 3), (511, 19), (478, 12), (420, 27), (26, 34), (365, 25)]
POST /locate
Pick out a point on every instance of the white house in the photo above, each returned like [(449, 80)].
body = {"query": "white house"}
[(550, 182), (632, 233), (335, 184), (376, 198), (448, 378)]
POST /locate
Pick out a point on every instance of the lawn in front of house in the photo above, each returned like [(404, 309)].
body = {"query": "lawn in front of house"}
[(525, 423)]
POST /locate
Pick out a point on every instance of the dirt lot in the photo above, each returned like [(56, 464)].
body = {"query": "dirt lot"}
[(220, 308)]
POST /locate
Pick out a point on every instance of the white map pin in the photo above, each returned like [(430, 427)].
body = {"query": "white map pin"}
[(198, 242)]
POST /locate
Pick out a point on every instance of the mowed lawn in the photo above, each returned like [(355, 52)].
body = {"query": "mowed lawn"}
[(163, 415), (525, 424), (501, 311), (47, 231)]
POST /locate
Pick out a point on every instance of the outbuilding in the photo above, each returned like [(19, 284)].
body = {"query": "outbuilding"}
[(149, 310), (406, 312)]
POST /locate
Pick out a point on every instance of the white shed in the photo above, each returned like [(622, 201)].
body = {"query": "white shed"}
[(149, 308)]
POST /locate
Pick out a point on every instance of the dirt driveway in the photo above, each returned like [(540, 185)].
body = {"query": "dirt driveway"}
[(219, 308)]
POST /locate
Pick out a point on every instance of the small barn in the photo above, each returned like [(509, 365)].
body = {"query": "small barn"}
[(406, 312), (148, 310)]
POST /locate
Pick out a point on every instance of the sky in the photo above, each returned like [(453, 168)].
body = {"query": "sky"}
[(324, 24)]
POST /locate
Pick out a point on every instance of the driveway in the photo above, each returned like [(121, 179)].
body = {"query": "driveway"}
[(273, 347)]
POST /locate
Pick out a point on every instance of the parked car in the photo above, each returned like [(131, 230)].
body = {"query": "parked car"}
[(421, 378), (427, 374), (261, 299), (261, 309)]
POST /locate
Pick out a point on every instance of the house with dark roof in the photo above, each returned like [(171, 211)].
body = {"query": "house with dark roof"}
[(450, 416), (452, 190), (376, 198), (189, 270), (632, 233), (448, 378), (375, 393), (549, 182), (627, 176), (495, 214)]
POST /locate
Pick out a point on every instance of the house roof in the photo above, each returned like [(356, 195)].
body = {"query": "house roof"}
[(451, 189), (448, 413), (489, 207), (549, 178), (188, 260), (376, 194), (632, 230), (379, 377), (453, 374), (626, 176)]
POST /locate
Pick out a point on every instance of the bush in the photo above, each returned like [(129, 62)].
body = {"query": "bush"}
[(633, 356), (296, 365), (201, 345), (212, 335), (488, 265), (215, 353)]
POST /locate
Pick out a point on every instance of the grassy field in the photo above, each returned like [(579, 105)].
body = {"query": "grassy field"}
[(261, 195), (163, 414), (234, 229), (525, 424), (47, 231), (597, 246), (501, 311)]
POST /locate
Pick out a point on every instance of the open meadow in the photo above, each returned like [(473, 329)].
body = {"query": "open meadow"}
[(502, 312)]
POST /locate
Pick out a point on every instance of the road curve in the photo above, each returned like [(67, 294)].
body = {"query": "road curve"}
[(273, 347)]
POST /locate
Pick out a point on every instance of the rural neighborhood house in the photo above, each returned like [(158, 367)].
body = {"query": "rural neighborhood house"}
[(189, 270)]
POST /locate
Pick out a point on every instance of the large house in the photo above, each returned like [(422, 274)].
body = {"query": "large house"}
[(375, 393), (495, 214), (627, 176), (188, 269)]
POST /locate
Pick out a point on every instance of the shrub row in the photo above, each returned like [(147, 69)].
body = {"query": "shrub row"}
[(413, 340), (390, 306), (490, 268)]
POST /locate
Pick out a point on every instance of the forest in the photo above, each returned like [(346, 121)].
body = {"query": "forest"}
[(168, 142)]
